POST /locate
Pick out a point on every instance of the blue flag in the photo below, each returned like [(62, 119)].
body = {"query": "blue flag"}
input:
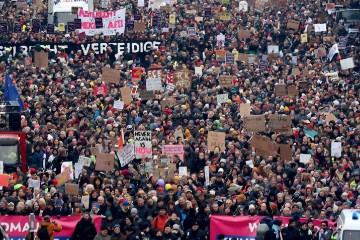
[(11, 93)]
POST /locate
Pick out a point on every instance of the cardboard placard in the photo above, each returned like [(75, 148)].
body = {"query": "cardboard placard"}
[(139, 27), (280, 123), (126, 95), (216, 139), (254, 123), (330, 117), (259, 5), (263, 146), (168, 102), (292, 90), (295, 71), (41, 59), (285, 152), (146, 95), (63, 177), (245, 109), (244, 34), (305, 178), (280, 90), (71, 189), (293, 24), (320, 52), (303, 84), (226, 81), (183, 79), (110, 75), (104, 162)]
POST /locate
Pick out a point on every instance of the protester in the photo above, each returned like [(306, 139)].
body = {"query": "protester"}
[(309, 169), (84, 229), (47, 228)]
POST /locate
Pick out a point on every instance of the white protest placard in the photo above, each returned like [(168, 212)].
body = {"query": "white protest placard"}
[(78, 169), (243, 6), (141, 3), (170, 87), (347, 63), (335, 149), (273, 49), (155, 4), (207, 175), (126, 154), (34, 183), (143, 146), (119, 105), (305, 158), (320, 27), (84, 161), (222, 98), (182, 171), (69, 166), (66, 6), (220, 40), (85, 200), (250, 163), (198, 71), (113, 22), (153, 84)]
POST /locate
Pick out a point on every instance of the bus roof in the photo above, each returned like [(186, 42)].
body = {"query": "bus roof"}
[(348, 222)]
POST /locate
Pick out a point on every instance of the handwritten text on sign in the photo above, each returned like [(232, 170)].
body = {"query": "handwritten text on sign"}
[(143, 146), (113, 22), (183, 79)]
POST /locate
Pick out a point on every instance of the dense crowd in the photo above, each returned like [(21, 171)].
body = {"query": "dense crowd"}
[(63, 119)]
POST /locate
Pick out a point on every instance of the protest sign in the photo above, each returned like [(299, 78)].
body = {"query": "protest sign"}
[(263, 146), (139, 26), (229, 58), (4, 180), (198, 71), (220, 55), (63, 177), (68, 167), (191, 31), (113, 22), (41, 59), (293, 24), (171, 150), (168, 102), (226, 81), (304, 38), (119, 105), (259, 5), (336, 149), (146, 95), (330, 117), (136, 73), (183, 79), (71, 189), (273, 49), (280, 90), (347, 63), (110, 75), (126, 95), (280, 123), (105, 162), (292, 90), (143, 147), (154, 72), (182, 171), (244, 34), (216, 139), (222, 98), (126, 154), (153, 84), (84, 161), (245, 109), (34, 183), (320, 27), (254, 123), (85, 200), (285, 152), (305, 158), (101, 90)]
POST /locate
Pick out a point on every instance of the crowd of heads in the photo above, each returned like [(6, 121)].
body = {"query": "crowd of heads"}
[(63, 119)]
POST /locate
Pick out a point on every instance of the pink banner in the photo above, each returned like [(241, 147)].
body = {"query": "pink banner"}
[(18, 226), (244, 227)]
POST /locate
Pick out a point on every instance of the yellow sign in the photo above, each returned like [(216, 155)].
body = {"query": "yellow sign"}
[(61, 27), (172, 18), (236, 55), (304, 38), (225, 16)]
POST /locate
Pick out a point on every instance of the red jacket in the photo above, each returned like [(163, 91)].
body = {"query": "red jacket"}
[(159, 222)]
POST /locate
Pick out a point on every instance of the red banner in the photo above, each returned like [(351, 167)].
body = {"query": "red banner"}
[(18, 226), (244, 227)]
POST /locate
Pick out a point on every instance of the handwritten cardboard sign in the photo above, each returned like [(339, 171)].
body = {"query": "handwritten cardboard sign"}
[(72, 189), (245, 109), (293, 24), (183, 79), (280, 90), (216, 139), (280, 123), (244, 34), (226, 81), (139, 27), (104, 162), (126, 95), (110, 75), (254, 123), (41, 59), (146, 95)]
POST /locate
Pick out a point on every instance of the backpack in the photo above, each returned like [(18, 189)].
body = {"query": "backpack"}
[(43, 233)]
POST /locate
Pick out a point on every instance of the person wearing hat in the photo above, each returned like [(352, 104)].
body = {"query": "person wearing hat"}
[(84, 229), (47, 228), (195, 232), (103, 234), (167, 234), (160, 220), (117, 234), (291, 232)]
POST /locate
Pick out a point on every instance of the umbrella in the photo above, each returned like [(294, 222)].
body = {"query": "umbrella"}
[(17, 186)]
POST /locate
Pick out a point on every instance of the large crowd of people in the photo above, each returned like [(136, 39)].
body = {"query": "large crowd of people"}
[(63, 119)]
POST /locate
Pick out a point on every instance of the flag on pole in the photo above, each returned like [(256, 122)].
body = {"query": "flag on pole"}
[(11, 93)]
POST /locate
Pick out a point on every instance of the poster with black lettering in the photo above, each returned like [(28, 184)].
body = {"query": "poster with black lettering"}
[(50, 29), (77, 23), (183, 79), (35, 26), (207, 12), (17, 27), (130, 25), (143, 147), (70, 27)]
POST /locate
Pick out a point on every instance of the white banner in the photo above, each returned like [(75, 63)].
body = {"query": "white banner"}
[(126, 154), (143, 147), (113, 22), (66, 5)]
